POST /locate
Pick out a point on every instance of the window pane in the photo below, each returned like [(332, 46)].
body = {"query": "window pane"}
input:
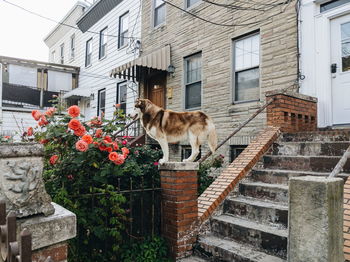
[(193, 95), (247, 85), (191, 2), (247, 52), (159, 15), (194, 69), (345, 46)]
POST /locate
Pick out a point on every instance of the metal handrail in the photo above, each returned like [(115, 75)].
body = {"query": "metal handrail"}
[(125, 127), (340, 165), (238, 129)]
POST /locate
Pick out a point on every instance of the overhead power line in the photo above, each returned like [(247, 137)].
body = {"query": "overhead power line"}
[(57, 22)]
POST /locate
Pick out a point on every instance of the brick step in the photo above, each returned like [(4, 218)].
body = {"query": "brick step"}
[(304, 163), (264, 212), (310, 148), (264, 237), (232, 251), (279, 176), (324, 136), (273, 192)]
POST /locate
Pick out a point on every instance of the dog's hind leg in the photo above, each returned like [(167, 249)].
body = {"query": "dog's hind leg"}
[(193, 139), (165, 148)]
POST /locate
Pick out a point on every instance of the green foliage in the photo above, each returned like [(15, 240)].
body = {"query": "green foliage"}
[(150, 250), (205, 168), (6, 139), (86, 182)]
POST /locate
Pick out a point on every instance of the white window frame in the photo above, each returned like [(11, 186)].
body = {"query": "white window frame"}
[(233, 70), (103, 43), (72, 46), (154, 7), (88, 54), (119, 85), (53, 56), (123, 35), (186, 84), (99, 111), (62, 53)]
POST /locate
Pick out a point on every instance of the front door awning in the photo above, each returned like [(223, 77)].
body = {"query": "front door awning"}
[(158, 60)]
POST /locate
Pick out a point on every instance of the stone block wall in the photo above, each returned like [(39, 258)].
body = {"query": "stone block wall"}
[(292, 112), (188, 35)]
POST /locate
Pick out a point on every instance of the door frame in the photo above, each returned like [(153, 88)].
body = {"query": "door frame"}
[(323, 58)]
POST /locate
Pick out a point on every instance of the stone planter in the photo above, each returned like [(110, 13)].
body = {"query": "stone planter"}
[(21, 182)]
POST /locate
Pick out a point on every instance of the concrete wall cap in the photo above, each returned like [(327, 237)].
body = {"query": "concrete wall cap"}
[(316, 179), (177, 166), (21, 150), (291, 94)]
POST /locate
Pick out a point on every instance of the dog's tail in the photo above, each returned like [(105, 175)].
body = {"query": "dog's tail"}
[(212, 138)]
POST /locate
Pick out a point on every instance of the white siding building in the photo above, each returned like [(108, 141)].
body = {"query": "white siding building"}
[(106, 35), (324, 37)]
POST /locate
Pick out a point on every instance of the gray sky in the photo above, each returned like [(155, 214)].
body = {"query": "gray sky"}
[(22, 34)]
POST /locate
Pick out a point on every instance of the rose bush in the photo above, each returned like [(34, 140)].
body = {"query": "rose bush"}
[(83, 164)]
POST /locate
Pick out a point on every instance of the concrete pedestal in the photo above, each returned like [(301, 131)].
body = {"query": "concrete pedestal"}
[(315, 219)]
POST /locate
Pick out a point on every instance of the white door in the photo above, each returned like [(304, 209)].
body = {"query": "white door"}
[(340, 69)]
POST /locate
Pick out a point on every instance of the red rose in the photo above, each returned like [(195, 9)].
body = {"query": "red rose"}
[(81, 145), (53, 159), (125, 151), (80, 131), (115, 146), (108, 139), (120, 160), (30, 131), (50, 112), (43, 121), (43, 141), (74, 124), (98, 133), (87, 138), (36, 115), (113, 156), (124, 142), (74, 111)]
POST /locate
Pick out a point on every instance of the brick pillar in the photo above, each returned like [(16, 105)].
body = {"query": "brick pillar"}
[(179, 205)]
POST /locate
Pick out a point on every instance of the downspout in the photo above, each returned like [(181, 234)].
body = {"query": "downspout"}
[(300, 76), (1, 117)]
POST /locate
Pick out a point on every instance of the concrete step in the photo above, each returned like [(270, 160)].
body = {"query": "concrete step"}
[(192, 259), (304, 163), (264, 237), (310, 148), (259, 190), (279, 176), (232, 251), (325, 136), (264, 212)]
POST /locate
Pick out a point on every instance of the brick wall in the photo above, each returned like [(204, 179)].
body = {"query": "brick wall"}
[(58, 253), (346, 228), (179, 206), (292, 112), (188, 35), (212, 197)]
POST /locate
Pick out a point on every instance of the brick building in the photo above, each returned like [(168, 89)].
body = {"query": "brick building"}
[(223, 69)]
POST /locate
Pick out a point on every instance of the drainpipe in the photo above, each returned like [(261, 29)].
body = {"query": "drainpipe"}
[(42, 89), (1, 118)]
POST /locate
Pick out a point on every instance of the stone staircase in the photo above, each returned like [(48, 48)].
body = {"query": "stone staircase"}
[(253, 222)]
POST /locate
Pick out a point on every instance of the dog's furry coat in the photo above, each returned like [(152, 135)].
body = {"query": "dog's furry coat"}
[(167, 126)]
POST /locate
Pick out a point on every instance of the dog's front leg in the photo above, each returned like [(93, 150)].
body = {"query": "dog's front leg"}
[(165, 148)]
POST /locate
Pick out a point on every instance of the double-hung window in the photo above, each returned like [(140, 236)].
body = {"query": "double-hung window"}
[(103, 43), (190, 3), (88, 52), (123, 30), (101, 107), (72, 46), (122, 95), (62, 54), (193, 81), (159, 12), (246, 71)]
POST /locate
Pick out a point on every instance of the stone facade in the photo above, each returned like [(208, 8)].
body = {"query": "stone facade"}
[(188, 35)]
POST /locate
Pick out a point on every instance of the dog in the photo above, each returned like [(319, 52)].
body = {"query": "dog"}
[(166, 126)]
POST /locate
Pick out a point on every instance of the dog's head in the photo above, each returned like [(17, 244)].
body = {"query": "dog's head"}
[(141, 106)]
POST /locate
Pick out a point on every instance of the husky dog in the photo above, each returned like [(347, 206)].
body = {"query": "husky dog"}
[(167, 126)]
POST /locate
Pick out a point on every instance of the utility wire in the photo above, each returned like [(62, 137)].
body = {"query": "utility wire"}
[(57, 22)]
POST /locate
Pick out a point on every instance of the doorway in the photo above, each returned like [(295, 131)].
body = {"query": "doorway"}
[(155, 89)]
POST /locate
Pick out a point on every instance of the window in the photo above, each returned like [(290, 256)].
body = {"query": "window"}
[(53, 56), (246, 68), (332, 4), (190, 3), (186, 151), (101, 102), (235, 151), (159, 12), (72, 46), (123, 30), (74, 81), (103, 43), (88, 52), (122, 95), (62, 54), (193, 81)]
